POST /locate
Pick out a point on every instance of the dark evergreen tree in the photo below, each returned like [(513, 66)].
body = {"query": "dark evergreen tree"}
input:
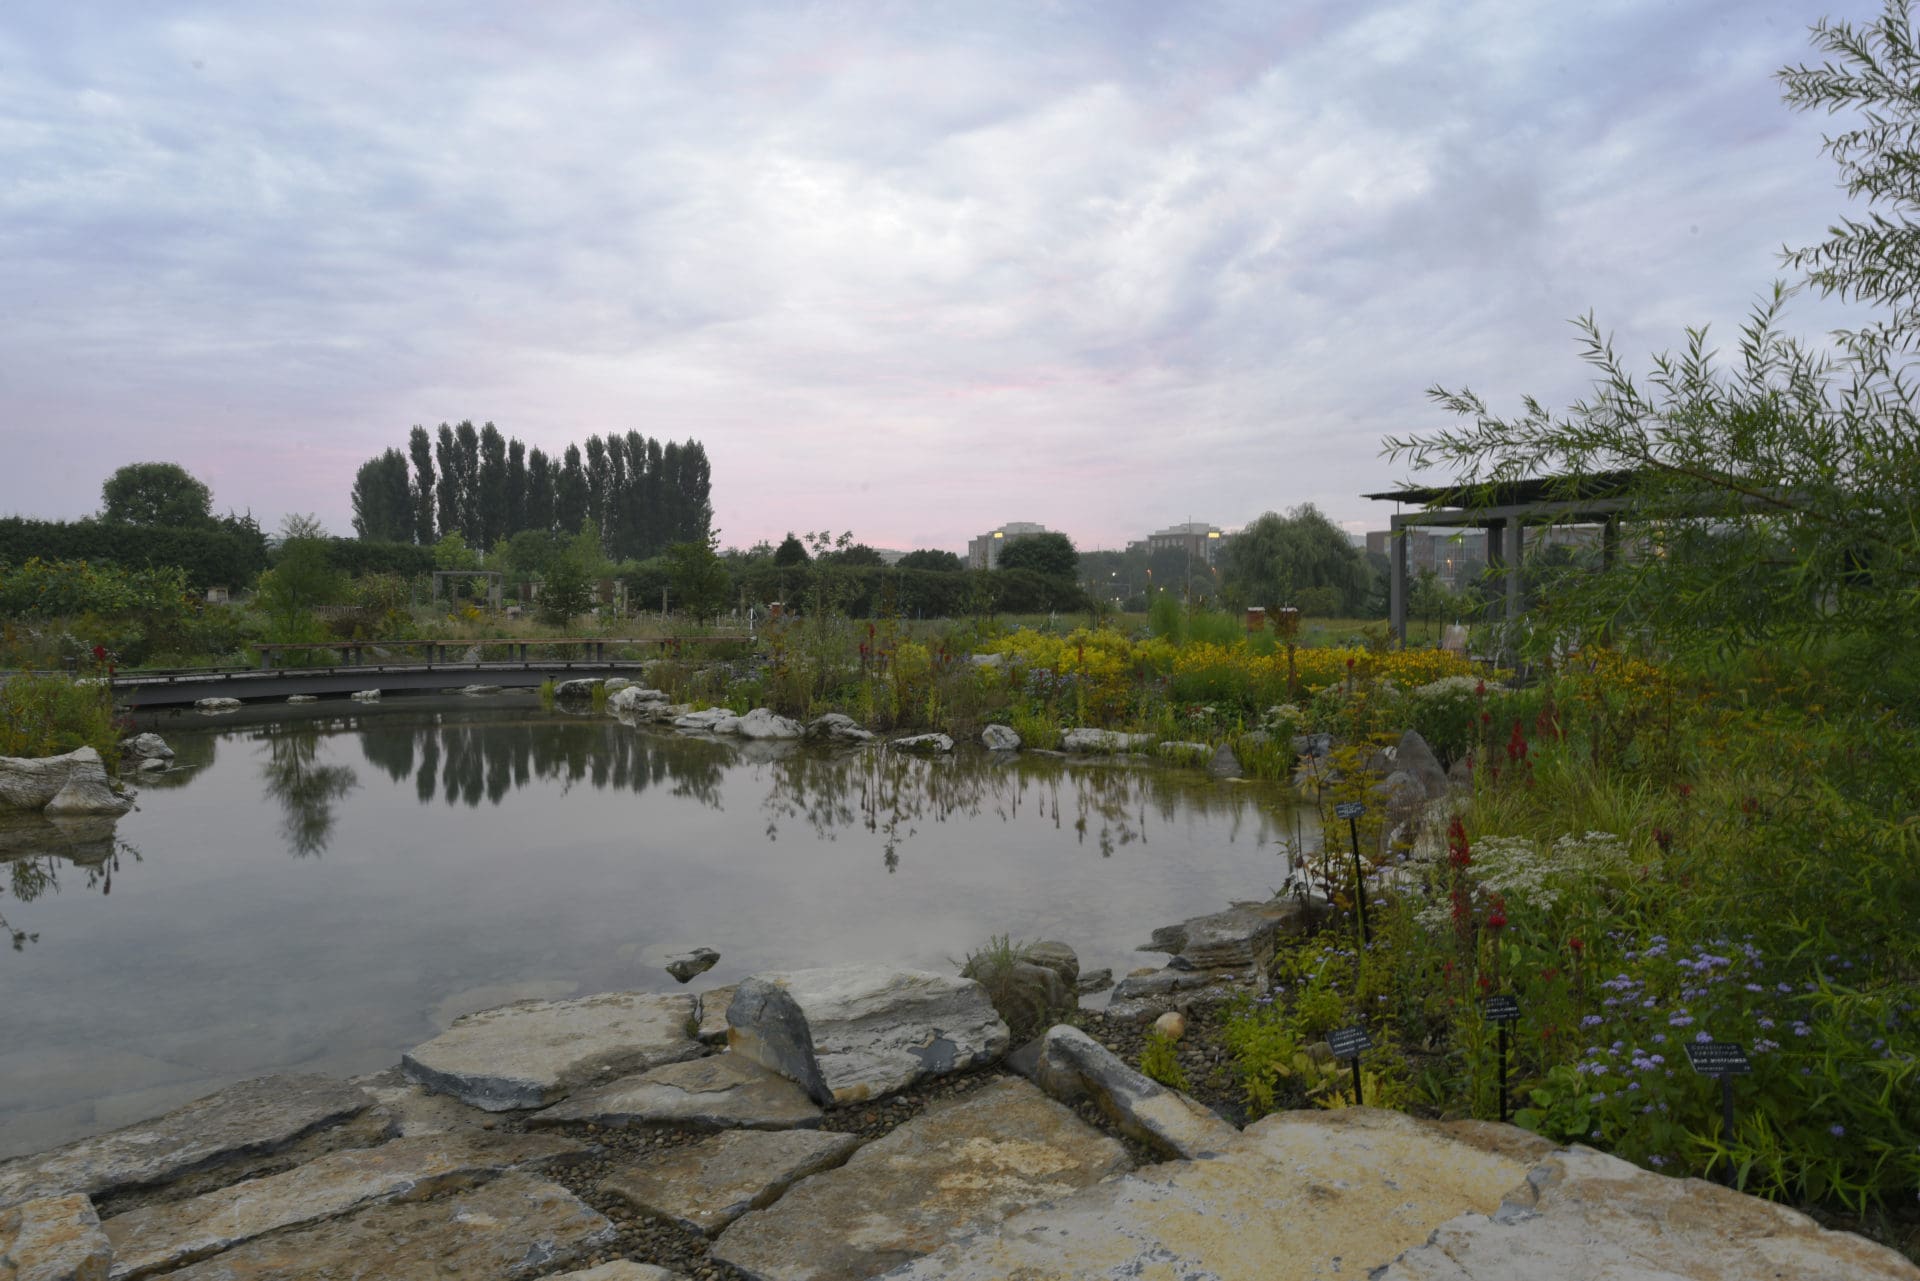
[(421, 447), (790, 552), (492, 502), (382, 499), (516, 487), (468, 439), (541, 510), (570, 493), (446, 491), (613, 525), (597, 482)]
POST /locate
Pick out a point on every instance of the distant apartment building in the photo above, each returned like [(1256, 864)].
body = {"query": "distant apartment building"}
[(1196, 538), (984, 552), (1454, 558)]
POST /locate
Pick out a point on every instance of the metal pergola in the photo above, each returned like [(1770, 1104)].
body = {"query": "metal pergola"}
[(1504, 510)]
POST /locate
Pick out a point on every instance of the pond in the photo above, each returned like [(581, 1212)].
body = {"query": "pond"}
[(315, 889)]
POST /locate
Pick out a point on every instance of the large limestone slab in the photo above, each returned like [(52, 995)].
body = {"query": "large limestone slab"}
[(962, 1164), (705, 1186), (721, 1092), (713, 1014), (622, 1270), (160, 1237), (876, 1029), (1301, 1194), (1239, 937), (1072, 1064), (242, 1120), (537, 1052), (1598, 1217), (53, 1239), (516, 1226), (75, 783)]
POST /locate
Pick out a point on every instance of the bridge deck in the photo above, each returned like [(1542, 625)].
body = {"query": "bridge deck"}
[(182, 688)]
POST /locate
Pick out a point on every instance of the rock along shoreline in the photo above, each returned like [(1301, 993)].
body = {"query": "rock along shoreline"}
[(850, 1122)]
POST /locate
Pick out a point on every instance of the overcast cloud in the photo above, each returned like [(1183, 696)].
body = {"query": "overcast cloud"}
[(913, 270)]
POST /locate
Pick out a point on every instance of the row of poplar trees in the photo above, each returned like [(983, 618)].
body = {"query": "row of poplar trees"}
[(642, 494)]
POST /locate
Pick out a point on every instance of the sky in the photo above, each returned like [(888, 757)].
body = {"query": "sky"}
[(909, 270)]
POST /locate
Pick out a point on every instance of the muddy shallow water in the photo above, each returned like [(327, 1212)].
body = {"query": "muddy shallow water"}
[(320, 890)]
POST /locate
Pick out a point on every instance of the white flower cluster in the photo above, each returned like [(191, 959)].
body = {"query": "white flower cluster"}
[(1515, 867), (1448, 687)]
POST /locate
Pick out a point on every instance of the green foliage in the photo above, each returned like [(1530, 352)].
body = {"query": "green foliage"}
[(700, 581), (52, 715), (567, 590), (452, 553), (227, 554), (161, 495), (639, 493), (303, 575), (1165, 618), (382, 502), (1050, 555), (929, 558), (1274, 559), (55, 589), (791, 552), (1160, 1061), (357, 556)]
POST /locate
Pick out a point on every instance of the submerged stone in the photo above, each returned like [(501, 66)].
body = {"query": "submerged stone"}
[(690, 966)]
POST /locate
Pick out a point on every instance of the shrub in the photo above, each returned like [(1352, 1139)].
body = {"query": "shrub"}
[(1161, 1062), (52, 715)]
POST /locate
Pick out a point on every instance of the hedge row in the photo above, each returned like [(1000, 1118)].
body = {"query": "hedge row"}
[(223, 556)]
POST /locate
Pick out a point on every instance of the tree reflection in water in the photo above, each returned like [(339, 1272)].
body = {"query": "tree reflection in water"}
[(37, 851), (485, 757), (304, 787), (891, 793)]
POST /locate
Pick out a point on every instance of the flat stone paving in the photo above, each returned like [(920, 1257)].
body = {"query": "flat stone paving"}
[(516, 1226), (721, 1091), (1600, 1218), (707, 1185), (160, 1237), (537, 1052), (245, 1119), (53, 1239), (1318, 1194), (962, 1164)]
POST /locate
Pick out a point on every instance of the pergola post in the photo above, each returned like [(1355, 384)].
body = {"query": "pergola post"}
[(1496, 552), (1609, 542), (1516, 555), (1397, 579)]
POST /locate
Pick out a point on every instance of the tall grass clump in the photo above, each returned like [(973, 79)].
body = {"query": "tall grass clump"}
[(52, 715)]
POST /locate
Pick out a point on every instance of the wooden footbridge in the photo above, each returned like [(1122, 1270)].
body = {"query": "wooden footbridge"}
[(285, 671)]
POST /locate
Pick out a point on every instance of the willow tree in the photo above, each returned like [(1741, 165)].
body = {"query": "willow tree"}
[(1775, 492)]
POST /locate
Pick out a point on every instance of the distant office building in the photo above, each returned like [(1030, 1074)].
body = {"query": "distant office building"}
[(984, 552), (1196, 538), (1453, 558)]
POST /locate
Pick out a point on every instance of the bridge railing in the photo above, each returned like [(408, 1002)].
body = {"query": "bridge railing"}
[(436, 651)]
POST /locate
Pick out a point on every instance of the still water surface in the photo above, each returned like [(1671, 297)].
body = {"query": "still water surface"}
[(322, 890)]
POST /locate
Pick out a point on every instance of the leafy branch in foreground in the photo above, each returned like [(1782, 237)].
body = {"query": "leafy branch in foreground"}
[(1774, 495)]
